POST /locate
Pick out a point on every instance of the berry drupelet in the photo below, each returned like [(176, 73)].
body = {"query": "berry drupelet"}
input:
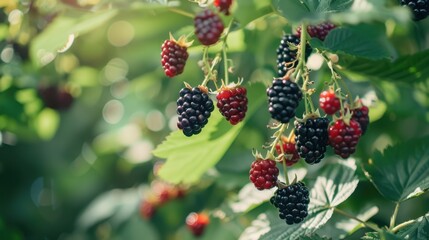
[(292, 202), (283, 98), (420, 8), (174, 55), (194, 107)]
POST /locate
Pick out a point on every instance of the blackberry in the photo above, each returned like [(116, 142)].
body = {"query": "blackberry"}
[(223, 5), (286, 56), (263, 173), (420, 8), (329, 102), (194, 107), (208, 27), (292, 202), (344, 137), (283, 98), (232, 103), (361, 116), (288, 148), (319, 31), (174, 55), (56, 97), (311, 137)]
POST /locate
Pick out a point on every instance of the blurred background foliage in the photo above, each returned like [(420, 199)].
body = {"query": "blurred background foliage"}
[(82, 173)]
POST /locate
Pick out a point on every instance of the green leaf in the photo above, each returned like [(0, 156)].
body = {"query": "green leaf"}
[(402, 171), (336, 183), (380, 236), (341, 226), (407, 69), (419, 230), (294, 11), (249, 10), (188, 158), (61, 34), (362, 40), (314, 237)]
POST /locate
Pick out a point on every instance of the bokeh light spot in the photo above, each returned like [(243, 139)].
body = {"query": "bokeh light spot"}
[(120, 33), (139, 152), (115, 70), (155, 121), (113, 111)]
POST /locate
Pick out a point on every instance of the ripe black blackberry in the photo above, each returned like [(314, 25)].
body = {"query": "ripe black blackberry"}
[(311, 137), (286, 56), (420, 8), (283, 98), (194, 107), (292, 202)]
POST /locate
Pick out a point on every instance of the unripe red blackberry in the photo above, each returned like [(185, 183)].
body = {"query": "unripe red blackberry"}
[(311, 137), (360, 115), (343, 137), (174, 55), (329, 102), (287, 57), (263, 173), (223, 5), (56, 97), (292, 202), (232, 103), (319, 31), (283, 98), (194, 108), (420, 8), (147, 209), (197, 222), (288, 148), (208, 27)]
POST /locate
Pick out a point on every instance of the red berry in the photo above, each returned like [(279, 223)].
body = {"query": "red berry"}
[(147, 209), (361, 116), (197, 222), (289, 150), (223, 5), (329, 102), (232, 103), (344, 137), (56, 97), (264, 173), (319, 31), (208, 27), (173, 56)]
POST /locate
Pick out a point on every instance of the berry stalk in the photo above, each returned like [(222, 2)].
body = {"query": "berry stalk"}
[(278, 135), (346, 214), (224, 52), (208, 67)]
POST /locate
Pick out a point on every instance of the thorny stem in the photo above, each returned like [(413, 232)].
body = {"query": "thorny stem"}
[(346, 214), (224, 48), (402, 225), (207, 66), (181, 12), (395, 214), (279, 133)]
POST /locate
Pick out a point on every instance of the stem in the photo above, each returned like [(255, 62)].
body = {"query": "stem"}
[(224, 49), (210, 68), (278, 137), (346, 214), (395, 214), (284, 161), (402, 225), (181, 12)]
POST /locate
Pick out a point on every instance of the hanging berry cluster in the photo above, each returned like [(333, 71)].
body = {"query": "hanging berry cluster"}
[(194, 105), (340, 127)]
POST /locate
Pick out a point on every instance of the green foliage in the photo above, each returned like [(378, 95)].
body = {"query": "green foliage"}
[(401, 172), (418, 230), (384, 235)]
